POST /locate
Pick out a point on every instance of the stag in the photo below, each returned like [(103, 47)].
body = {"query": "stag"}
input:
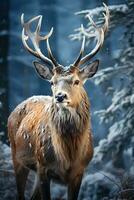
[(52, 134)]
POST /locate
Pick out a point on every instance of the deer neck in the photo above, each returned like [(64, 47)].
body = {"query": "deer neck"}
[(68, 121), (68, 131)]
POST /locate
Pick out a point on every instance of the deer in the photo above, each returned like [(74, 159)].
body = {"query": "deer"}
[(52, 135)]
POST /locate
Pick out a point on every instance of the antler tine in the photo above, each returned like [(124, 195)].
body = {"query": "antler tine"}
[(99, 33), (107, 17), (50, 53), (76, 63), (35, 38), (38, 25), (25, 38)]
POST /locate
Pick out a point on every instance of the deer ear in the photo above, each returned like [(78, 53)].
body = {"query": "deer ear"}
[(43, 71), (89, 71)]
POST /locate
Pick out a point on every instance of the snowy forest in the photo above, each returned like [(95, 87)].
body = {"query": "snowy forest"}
[(110, 174)]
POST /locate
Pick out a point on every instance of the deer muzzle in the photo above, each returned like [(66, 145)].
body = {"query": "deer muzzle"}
[(60, 97)]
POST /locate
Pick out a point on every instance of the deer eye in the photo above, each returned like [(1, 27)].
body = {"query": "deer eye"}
[(76, 82)]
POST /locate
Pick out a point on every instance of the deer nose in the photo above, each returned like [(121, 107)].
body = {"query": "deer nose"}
[(60, 97)]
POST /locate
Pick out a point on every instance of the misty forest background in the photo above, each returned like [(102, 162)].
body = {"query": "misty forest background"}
[(110, 175)]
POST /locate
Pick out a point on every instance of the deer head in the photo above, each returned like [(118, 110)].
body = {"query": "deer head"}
[(67, 82)]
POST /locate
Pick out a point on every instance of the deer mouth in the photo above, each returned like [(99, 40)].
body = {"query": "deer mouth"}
[(63, 103)]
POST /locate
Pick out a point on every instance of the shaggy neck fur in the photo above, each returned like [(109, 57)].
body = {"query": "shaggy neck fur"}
[(68, 128), (71, 121)]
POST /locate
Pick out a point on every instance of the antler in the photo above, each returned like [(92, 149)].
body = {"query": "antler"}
[(76, 63), (36, 38), (99, 33)]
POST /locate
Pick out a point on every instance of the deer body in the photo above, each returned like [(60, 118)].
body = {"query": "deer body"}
[(38, 136), (52, 134), (48, 139)]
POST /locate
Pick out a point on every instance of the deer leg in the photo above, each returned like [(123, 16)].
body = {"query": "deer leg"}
[(74, 187), (42, 191), (43, 183), (21, 174), (45, 188), (36, 195)]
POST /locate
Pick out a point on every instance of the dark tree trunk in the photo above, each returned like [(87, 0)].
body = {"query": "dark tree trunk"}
[(4, 27)]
